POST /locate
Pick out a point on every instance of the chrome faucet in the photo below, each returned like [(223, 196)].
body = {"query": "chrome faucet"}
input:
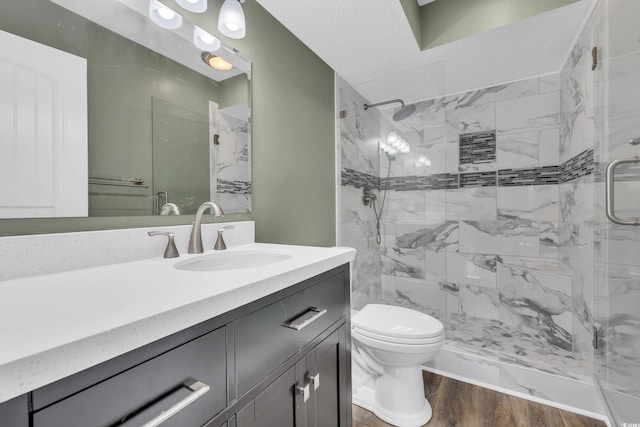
[(169, 208), (195, 241)]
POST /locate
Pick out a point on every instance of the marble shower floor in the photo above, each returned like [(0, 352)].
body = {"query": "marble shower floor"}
[(459, 404)]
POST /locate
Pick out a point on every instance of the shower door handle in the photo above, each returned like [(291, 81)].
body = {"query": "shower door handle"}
[(610, 193)]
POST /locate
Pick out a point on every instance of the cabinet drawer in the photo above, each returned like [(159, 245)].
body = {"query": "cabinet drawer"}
[(141, 393), (263, 342)]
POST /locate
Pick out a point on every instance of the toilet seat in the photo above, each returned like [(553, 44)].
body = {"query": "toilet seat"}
[(396, 340), (397, 325)]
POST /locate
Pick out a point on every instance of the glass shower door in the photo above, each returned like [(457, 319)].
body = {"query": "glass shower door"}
[(617, 246)]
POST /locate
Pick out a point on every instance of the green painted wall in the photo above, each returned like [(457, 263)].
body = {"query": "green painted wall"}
[(293, 131), (292, 140), (444, 21), (294, 144)]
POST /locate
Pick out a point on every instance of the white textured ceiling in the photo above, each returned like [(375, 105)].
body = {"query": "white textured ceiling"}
[(370, 44)]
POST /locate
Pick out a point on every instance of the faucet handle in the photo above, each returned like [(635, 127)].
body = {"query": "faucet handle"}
[(171, 251), (220, 245)]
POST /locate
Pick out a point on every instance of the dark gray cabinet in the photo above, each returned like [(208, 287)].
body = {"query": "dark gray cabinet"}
[(327, 361), (249, 367), (262, 342), (275, 406), (308, 394), (140, 394), (15, 412)]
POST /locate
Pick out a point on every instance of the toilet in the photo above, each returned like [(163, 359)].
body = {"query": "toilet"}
[(389, 345)]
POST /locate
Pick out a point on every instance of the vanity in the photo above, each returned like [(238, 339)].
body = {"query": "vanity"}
[(149, 343)]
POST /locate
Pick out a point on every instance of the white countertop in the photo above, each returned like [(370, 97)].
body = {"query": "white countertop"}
[(55, 325)]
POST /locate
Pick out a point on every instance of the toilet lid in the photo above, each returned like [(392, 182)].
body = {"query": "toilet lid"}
[(397, 322)]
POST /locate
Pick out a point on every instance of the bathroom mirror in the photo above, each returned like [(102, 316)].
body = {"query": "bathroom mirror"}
[(144, 85)]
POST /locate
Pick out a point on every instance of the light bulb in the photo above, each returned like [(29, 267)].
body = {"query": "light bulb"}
[(231, 20), (166, 13), (392, 137), (196, 6), (205, 41), (163, 16), (216, 62)]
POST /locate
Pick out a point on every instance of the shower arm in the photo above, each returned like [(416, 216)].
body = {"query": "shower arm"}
[(393, 101)]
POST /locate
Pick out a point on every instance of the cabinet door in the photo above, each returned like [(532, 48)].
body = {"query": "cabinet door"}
[(15, 412), (275, 406), (328, 371)]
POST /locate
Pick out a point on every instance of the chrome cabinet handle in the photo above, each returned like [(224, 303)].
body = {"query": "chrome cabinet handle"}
[(610, 196), (315, 380), (198, 390), (305, 319), (304, 391)]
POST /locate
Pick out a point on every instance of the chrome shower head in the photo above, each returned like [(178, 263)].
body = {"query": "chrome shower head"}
[(404, 112)]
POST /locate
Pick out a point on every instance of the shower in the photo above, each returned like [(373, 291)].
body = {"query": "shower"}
[(394, 144), (369, 198), (404, 112)]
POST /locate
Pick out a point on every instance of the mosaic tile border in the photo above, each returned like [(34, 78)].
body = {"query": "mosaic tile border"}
[(442, 181), (478, 179), (545, 175), (233, 187), (577, 167), (357, 179)]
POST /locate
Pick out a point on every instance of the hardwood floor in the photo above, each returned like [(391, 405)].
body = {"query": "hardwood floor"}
[(459, 404)]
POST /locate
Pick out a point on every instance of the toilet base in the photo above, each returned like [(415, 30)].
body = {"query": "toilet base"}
[(364, 397)]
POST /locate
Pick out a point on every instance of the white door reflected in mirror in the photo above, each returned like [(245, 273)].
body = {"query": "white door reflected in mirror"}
[(43, 131)]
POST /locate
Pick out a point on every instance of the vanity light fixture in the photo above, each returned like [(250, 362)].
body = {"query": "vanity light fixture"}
[(163, 16), (205, 41), (196, 6), (231, 21), (395, 144), (423, 161), (216, 62)]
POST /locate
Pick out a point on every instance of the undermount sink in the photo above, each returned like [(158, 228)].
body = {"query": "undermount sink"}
[(233, 260)]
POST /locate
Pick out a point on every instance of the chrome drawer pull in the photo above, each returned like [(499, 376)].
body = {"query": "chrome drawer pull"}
[(305, 319), (304, 391), (198, 390), (315, 380), (610, 184)]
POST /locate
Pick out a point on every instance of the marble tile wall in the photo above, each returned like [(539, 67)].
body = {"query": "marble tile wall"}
[(472, 234), (233, 160), (491, 235), (473, 238), (360, 167)]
